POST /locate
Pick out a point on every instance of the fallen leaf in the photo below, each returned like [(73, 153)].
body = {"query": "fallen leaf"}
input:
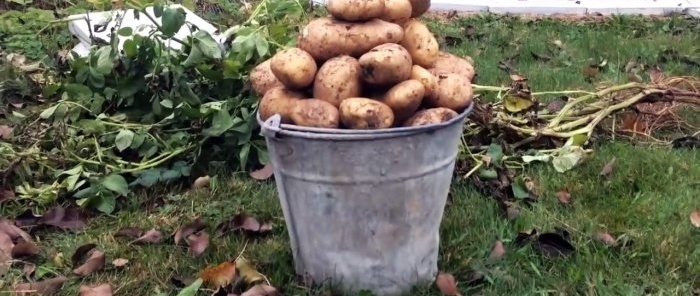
[(27, 219), (81, 253), (631, 64), (263, 174), (130, 232), (446, 284), (58, 260), (554, 244), (100, 290), (243, 222), (94, 263), (497, 251), (261, 290), (515, 103), (525, 236), (557, 104), (185, 230), (219, 276), (66, 219), (5, 132), (590, 72), (517, 78), (120, 262), (28, 269), (606, 238), (247, 271), (45, 287), (24, 249), (152, 236), (201, 182), (608, 168), (14, 232), (192, 289), (198, 242), (695, 219), (512, 212), (656, 75), (558, 43), (564, 196), (6, 246), (540, 57)]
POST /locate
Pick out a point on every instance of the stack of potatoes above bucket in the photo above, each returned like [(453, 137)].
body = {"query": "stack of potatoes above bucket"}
[(370, 64)]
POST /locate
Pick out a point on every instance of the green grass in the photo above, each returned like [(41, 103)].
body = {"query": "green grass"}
[(648, 197)]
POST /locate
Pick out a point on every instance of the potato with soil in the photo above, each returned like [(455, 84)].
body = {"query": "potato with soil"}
[(428, 80), (396, 11), (420, 43), (364, 113), (262, 79), (453, 91), (279, 100), (386, 64), (325, 38), (355, 10), (338, 79), (431, 116), (404, 99), (315, 113), (419, 7), (294, 67), (449, 63)]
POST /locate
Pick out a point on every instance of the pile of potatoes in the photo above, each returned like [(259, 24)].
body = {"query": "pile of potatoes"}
[(370, 64)]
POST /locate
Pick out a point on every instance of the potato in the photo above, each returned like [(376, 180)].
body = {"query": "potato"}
[(338, 79), (279, 100), (262, 79), (386, 64), (428, 80), (325, 37), (420, 43), (431, 116), (449, 63), (419, 7), (404, 99), (315, 113), (364, 113), (294, 67), (453, 91), (396, 11), (355, 10)]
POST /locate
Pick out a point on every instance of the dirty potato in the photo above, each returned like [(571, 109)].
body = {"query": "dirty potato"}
[(449, 63), (279, 100), (315, 113), (420, 43), (453, 91), (428, 80), (355, 10), (386, 64), (338, 79), (262, 79), (404, 99), (325, 37), (431, 116), (419, 7), (364, 113), (294, 67), (396, 11)]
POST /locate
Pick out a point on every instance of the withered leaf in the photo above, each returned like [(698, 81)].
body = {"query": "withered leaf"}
[(608, 168), (66, 219), (564, 196), (219, 276), (556, 105), (185, 230), (5, 132), (243, 222), (14, 232), (94, 263), (656, 75), (512, 212), (606, 238), (152, 236), (130, 232), (198, 242), (28, 269), (6, 195), (6, 246), (517, 78), (554, 244), (27, 219), (247, 271), (540, 57), (261, 290), (201, 182), (446, 284), (24, 249), (46, 287), (497, 251), (100, 290), (80, 254), (695, 219), (263, 174), (525, 236), (120, 262)]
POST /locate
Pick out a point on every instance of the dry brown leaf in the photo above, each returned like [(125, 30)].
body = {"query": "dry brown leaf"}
[(94, 263), (608, 168), (201, 182), (517, 78), (28, 269), (6, 246), (498, 251), (100, 290), (564, 196), (186, 230), (512, 212), (695, 219), (606, 238), (120, 262), (198, 242), (263, 174), (243, 222), (656, 75), (45, 288), (14, 232), (5, 132), (24, 249), (152, 236), (247, 271), (261, 290), (219, 276), (447, 284), (130, 232), (6, 195)]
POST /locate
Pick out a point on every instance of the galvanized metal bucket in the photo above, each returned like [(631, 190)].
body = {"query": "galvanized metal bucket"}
[(363, 208)]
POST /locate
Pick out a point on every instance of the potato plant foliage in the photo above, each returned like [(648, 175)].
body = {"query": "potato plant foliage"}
[(148, 114)]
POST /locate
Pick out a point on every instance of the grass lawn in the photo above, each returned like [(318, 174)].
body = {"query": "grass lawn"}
[(647, 198)]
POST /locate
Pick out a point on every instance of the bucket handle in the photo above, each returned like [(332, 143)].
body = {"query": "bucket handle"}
[(271, 126)]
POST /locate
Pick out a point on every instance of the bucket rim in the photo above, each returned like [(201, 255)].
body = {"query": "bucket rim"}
[(273, 126)]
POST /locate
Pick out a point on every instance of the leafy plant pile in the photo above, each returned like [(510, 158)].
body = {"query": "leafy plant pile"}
[(517, 130), (147, 113)]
